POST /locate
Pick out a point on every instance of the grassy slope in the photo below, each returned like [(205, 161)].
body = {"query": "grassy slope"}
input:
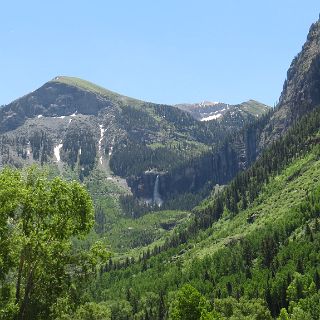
[(275, 205), (165, 127), (129, 237), (89, 86), (254, 108), (124, 235)]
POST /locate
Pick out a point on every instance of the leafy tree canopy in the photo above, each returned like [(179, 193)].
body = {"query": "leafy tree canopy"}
[(39, 217)]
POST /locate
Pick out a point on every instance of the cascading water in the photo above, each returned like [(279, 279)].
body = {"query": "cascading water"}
[(156, 194)]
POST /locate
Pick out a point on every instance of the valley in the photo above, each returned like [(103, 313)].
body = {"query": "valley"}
[(117, 208)]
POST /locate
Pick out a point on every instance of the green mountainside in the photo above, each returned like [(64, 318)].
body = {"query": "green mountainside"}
[(262, 248), (79, 128), (203, 220), (117, 146), (251, 250)]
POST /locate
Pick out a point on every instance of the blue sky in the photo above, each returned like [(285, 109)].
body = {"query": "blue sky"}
[(166, 51)]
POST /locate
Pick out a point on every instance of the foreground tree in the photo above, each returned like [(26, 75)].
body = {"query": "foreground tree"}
[(189, 304), (38, 218)]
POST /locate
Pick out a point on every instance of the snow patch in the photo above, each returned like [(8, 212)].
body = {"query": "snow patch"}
[(74, 114), (40, 116), (149, 201), (213, 117), (60, 117)]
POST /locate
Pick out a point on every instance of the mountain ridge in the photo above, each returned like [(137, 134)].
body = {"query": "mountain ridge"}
[(135, 140), (139, 135), (206, 110), (300, 92), (252, 250), (94, 88)]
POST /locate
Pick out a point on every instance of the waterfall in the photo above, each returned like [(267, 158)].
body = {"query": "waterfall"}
[(156, 195), (56, 151), (100, 142)]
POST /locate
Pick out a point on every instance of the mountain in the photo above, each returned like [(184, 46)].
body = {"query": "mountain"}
[(238, 151), (301, 91), (253, 259), (78, 127), (251, 249), (73, 124), (207, 111)]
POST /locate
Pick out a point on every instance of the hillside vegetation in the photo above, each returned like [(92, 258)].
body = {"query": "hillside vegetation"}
[(171, 218), (266, 254)]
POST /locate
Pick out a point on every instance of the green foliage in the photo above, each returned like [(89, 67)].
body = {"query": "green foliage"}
[(89, 86), (121, 309), (230, 308), (93, 311), (38, 218), (266, 255), (283, 315), (189, 304), (79, 149)]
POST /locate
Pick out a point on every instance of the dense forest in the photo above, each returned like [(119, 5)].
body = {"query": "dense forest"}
[(112, 208), (268, 268), (249, 252)]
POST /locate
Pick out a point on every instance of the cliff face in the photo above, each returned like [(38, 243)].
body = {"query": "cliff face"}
[(301, 89), (300, 95)]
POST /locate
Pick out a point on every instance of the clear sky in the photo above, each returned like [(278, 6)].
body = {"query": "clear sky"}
[(165, 51)]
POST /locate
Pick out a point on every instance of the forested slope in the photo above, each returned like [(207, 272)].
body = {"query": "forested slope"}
[(263, 250), (237, 152)]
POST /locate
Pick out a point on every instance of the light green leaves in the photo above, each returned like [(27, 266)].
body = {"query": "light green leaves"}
[(38, 218)]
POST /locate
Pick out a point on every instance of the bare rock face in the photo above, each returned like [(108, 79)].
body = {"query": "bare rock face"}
[(301, 89)]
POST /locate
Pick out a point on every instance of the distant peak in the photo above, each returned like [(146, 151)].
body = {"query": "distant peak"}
[(208, 103)]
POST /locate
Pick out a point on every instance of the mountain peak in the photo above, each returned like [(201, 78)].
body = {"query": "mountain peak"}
[(207, 103), (96, 89)]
